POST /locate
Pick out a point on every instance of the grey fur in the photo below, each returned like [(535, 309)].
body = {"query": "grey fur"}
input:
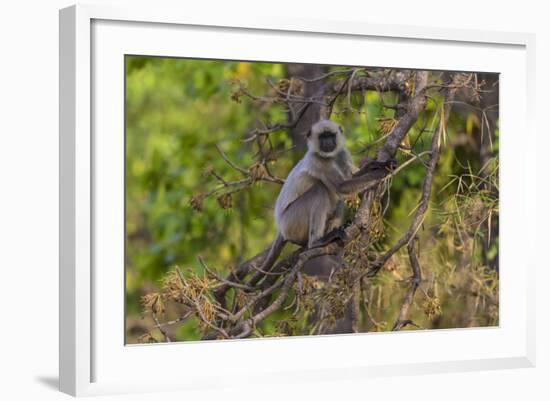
[(310, 195), (311, 201)]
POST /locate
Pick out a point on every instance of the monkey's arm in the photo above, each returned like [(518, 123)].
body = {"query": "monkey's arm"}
[(366, 177), (375, 166), (298, 182)]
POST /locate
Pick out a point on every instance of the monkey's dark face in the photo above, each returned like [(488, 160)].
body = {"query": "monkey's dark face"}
[(327, 141)]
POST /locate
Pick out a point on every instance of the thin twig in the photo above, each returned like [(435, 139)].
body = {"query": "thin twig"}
[(223, 280), (159, 327)]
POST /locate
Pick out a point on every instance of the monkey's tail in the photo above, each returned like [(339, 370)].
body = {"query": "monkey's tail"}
[(274, 252)]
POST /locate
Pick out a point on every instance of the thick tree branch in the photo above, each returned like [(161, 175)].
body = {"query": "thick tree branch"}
[(415, 106), (426, 186), (393, 81), (266, 292)]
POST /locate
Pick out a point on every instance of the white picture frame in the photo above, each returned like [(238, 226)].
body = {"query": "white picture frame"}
[(93, 357)]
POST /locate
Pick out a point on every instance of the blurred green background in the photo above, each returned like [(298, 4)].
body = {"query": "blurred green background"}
[(178, 110)]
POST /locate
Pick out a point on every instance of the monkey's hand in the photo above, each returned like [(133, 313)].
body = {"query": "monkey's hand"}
[(338, 234), (377, 169)]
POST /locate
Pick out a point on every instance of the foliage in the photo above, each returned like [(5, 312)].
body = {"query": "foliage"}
[(192, 127)]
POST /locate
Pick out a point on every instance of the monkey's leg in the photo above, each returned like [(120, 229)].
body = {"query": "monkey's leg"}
[(337, 234), (320, 209), (302, 222), (319, 220), (293, 227), (334, 229), (337, 217)]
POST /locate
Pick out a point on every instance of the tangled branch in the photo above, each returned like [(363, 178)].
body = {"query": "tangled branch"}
[(232, 306)]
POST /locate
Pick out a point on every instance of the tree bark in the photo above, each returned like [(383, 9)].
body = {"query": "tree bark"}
[(313, 112), (487, 102)]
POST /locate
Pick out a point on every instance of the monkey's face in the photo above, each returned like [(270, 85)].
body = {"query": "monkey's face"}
[(327, 141), (325, 138)]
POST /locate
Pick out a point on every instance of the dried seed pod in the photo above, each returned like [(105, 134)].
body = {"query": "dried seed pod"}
[(386, 124), (146, 338), (409, 85), (208, 170), (153, 302), (432, 307), (239, 92), (293, 86), (174, 286), (283, 85), (197, 201), (258, 171), (225, 201)]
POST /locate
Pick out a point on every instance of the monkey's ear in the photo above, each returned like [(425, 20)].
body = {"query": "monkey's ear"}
[(308, 133), (341, 129)]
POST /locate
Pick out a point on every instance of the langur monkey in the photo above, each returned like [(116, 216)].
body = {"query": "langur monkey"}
[(310, 205)]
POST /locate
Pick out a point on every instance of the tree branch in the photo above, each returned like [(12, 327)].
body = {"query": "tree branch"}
[(416, 279), (426, 186), (415, 106), (259, 287)]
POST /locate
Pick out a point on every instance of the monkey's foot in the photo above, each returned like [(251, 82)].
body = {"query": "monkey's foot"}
[(338, 234), (391, 164)]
